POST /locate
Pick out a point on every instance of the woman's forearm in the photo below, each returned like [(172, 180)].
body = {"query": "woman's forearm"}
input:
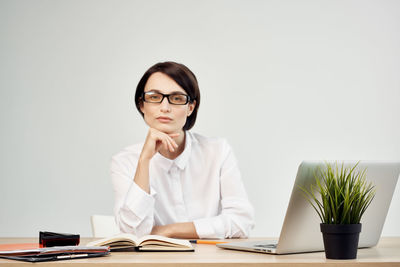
[(142, 175)]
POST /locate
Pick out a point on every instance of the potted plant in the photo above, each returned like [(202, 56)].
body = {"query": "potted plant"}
[(340, 196)]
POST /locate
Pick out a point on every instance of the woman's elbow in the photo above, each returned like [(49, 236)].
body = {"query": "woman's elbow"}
[(239, 227), (128, 222)]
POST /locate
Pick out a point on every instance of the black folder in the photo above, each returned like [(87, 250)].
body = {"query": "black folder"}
[(55, 253)]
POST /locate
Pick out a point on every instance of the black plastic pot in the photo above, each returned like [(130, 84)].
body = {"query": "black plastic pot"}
[(341, 240)]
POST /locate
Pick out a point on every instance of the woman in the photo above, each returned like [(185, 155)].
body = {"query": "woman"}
[(177, 183)]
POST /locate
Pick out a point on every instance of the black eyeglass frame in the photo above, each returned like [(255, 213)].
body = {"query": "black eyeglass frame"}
[(167, 96)]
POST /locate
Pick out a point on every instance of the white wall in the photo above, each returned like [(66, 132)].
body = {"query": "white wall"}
[(283, 81)]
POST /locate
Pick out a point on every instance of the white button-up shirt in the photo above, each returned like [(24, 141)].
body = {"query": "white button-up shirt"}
[(202, 185)]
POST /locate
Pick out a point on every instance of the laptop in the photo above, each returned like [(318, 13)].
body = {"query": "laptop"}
[(301, 232)]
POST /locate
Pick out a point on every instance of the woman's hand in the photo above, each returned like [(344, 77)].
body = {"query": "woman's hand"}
[(176, 230), (164, 230), (155, 140)]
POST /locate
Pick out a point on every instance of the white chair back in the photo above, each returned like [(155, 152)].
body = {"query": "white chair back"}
[(104, 226)]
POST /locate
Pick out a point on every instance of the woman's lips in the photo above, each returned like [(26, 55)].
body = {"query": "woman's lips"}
[(164, 119)]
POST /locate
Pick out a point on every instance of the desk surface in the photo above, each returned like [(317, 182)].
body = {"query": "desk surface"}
[(387, 253)]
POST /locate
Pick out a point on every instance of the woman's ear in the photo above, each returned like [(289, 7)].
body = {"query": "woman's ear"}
[(191, 108), (141, 105)]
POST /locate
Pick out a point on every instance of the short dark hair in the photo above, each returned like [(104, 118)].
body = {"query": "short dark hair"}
[(183, 76)]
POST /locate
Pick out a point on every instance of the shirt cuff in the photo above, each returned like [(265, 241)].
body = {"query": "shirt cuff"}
[(210, 228), (139, 201)]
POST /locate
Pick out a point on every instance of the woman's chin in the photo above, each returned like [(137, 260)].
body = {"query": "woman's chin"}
[(166, 129)]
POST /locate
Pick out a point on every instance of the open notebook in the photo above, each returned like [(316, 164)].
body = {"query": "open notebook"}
[(126, 241)]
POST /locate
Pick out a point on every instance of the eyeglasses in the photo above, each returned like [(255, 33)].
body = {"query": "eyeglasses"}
[(174, 99)]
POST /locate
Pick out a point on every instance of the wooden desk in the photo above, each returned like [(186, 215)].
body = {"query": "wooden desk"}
[(387, 253)]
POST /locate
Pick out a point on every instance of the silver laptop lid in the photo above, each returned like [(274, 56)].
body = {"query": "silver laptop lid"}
[(301, 232)]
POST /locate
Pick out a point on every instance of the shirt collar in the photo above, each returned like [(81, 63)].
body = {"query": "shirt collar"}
[(181, 161)]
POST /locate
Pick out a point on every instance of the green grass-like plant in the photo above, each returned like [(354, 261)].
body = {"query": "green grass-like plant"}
[(340, 196)]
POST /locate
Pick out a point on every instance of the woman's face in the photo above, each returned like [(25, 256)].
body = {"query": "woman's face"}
[(165, 117)]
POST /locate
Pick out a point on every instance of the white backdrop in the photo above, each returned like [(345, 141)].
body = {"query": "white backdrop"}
[(283, 81)]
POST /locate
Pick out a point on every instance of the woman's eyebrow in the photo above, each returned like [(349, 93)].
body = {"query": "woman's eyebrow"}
[(154, 90), (158, 91)]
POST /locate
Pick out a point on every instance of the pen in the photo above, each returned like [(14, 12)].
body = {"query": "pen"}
[(210, 242), (71, 256)]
